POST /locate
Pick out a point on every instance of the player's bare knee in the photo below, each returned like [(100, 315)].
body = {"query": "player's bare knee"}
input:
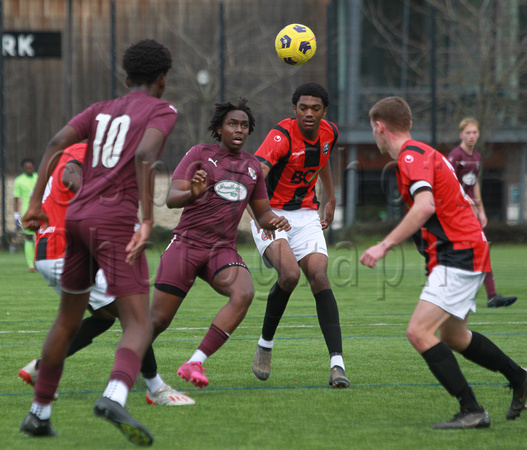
[(148, 328), (319, 282), (67, 329), (103, 314), (67, 323), (247, 296), (160, 322), (288, 278), (242, 300), (414, 336), (453, 342)]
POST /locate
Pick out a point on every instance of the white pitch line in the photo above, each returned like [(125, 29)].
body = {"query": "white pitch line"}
[(351, 325)]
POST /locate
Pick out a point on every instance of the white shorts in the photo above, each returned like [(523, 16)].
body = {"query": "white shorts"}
[(453, 290), (305, 237), (51, 270)]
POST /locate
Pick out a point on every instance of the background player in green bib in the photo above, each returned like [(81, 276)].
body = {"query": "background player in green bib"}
[(22, 189)]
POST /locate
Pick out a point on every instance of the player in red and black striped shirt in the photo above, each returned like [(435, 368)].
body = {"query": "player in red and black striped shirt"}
[(293, 155), (457, 258)]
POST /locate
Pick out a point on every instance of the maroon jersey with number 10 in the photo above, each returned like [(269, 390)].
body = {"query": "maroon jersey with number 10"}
[(101, 217), (114, 129)]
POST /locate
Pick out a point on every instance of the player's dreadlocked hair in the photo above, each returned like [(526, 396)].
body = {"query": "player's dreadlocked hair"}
[(313, 90), (145, 61), (221, 111)]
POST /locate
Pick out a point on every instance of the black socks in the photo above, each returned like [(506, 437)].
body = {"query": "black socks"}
[(443, 364)]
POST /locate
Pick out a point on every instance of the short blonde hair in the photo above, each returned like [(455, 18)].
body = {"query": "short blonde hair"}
[(468, 121)]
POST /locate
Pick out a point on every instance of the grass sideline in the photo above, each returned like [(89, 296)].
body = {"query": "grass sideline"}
[(392, 403)]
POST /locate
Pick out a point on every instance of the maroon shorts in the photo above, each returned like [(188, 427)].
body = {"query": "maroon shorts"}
[(96, 243), (182, 262)]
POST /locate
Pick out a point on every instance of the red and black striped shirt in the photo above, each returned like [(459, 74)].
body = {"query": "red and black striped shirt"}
[(295, 163), (452, 236)]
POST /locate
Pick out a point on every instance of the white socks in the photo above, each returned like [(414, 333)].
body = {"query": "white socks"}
[(198, 356), (336, 361), (116, 391), (43, 412), (265, 344), (154, 384)]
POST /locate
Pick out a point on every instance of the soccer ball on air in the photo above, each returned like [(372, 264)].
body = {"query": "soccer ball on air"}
[(295, 44)]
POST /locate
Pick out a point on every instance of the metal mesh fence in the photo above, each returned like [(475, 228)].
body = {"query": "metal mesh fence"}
[(41, 94), (222, 50)]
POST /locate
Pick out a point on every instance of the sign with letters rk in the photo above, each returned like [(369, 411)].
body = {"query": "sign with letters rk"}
[(31, 44)]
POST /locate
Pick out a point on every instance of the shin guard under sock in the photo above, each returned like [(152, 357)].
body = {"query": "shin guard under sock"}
[(149, 364), (213, 340), (444, 366), (484, 352), (90, 328), (47, 382), (328, 318), (276, 303), (126, 367)]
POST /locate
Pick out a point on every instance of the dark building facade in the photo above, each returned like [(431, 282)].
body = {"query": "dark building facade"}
[(448, 63)]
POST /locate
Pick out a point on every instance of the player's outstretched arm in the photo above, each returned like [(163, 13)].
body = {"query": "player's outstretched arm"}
[(480, 209), (182, 192), (34, 217), (145, 157), (327, 182), (270, 233), (266, 218), (265, 169), (72, 176), (422, 209), (139, 241)]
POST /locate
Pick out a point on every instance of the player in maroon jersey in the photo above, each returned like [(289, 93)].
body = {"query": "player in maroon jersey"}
[(466, 160), (293, 155), (457, 258), (214, 184), (64, 182), (125, 137)]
